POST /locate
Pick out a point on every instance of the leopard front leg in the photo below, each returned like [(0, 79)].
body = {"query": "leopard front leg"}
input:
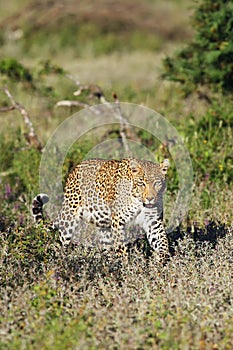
[(118, 233), (153, 226)]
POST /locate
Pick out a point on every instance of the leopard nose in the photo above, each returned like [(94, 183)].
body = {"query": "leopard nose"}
[(150, 199)]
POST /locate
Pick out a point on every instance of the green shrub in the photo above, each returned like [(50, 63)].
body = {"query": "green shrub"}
[(207, 60), (6, 153), (26, 167), (19, 166), (210, 143), (15, 70)]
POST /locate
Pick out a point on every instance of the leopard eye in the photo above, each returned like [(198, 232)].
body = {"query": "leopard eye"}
[(141, 183), (157, 183)]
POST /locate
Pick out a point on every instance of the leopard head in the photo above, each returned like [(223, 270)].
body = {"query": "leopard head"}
[(149, 181)]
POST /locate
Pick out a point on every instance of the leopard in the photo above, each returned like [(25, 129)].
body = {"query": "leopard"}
[(112, 194)]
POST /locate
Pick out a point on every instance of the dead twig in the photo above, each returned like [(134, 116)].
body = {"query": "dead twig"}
[(75, 103), (122, 121), (95, 91), (31, 137), (73, 78), (7, 109), (70, 103)]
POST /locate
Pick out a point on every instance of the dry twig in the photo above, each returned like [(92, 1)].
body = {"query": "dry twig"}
[(31, 137), (123, 122), (70, 103), (126, 131), (6, 109)]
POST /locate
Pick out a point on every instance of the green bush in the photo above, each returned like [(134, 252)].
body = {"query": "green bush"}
[(26, 165), (207, 60), (18, 164), (15, 70), (209, 141)]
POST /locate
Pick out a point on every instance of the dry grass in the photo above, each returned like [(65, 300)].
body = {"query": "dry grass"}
[(81, 300)]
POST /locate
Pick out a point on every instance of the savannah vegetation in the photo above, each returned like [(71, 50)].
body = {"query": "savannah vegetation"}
[(174, 57)]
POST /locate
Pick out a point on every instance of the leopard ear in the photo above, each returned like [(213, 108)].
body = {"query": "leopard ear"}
[(165, 165), (135, 166)]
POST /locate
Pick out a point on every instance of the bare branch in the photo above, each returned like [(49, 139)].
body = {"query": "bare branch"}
[(95, 91), (73, 78), (71, 103), (31, 137), (7, 109), (122, 120)]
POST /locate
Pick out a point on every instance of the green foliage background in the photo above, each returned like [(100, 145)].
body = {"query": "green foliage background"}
[(207, 60)]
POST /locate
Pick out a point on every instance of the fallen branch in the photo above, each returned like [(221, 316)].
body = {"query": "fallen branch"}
[(70, 103), (31, 137), (122, 121), (7, 109), (74, 79), (95, 91)]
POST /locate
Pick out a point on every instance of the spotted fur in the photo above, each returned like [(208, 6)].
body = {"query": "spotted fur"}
[(111, 194)]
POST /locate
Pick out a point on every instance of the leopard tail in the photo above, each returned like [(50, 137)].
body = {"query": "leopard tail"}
[(37, 206)]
